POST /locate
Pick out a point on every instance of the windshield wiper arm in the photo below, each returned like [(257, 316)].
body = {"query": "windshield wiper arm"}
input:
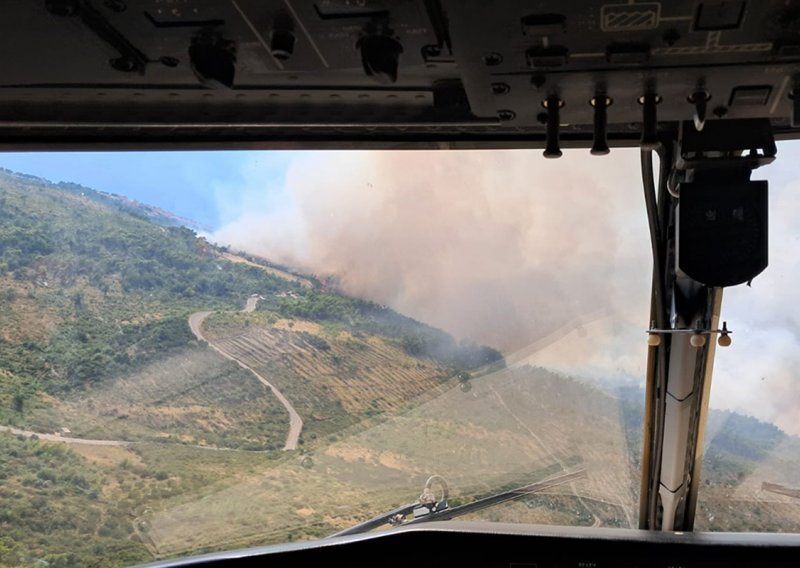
[(382, 519), (428, 500), (439, 510), (477, 505)]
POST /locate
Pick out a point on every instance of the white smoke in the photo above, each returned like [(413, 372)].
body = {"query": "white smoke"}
[(499, 247), (522, 253)]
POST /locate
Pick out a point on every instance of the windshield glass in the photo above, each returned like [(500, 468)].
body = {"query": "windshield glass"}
[(214, 350)]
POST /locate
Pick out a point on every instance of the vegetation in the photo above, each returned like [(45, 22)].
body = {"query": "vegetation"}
[(208, 402), (415, 338), (46, 489), (119, 288), (94, 291), (94, 342)]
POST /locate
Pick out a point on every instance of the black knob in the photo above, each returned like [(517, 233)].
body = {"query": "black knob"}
[(380, 56), (552, 104), (281, 44), (649, 121), (600, 142), (213, 60), (282, 40)]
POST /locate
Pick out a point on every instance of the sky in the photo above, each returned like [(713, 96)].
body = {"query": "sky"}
[(546, 259), (201, 186)]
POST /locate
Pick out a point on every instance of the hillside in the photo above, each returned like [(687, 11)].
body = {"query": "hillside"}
[(95, 345), (118, 202), (159, 444), (94, 291)]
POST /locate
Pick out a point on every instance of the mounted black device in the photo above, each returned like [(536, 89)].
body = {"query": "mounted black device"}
[(722, 216), (722, 231)]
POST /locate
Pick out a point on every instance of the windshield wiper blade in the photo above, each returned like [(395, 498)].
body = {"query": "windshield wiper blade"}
[(438, 510)]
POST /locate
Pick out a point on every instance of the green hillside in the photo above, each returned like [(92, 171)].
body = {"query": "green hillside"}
[(94, 289)]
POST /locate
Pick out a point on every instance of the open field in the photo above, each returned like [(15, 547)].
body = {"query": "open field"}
[(78, 505), (196, 321), (745, 504)]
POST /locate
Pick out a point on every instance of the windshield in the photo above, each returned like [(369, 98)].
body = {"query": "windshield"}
[(213, 350)]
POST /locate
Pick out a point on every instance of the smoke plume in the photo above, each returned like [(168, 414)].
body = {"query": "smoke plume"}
[(498, 247), (547, 260)]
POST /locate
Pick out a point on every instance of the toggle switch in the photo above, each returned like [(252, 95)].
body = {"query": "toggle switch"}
[(552, 104), (649, 121), (700, 101), (600, 142), (380, 55)]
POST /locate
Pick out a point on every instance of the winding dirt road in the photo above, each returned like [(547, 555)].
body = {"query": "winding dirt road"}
[(295, 422)]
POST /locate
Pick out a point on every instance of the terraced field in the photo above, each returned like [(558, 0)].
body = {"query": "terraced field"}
[(333, 378)]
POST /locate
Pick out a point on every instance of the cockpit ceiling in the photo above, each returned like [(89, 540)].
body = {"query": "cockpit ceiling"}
[(388, 72)]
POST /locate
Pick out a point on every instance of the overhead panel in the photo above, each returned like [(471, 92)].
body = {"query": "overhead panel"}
[(417, 71)]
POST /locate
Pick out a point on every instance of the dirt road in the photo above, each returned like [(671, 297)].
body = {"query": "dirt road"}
[(268, 269), (119, 443), (63, 439), (295, 422)]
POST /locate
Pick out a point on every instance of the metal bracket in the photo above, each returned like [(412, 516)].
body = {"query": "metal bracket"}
[(744, 143)]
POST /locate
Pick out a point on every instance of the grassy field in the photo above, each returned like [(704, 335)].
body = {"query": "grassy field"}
[(77, 505), (739, 502), (59, 507)]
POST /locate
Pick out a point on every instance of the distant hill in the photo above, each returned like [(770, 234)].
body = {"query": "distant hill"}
[(120, 202)]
